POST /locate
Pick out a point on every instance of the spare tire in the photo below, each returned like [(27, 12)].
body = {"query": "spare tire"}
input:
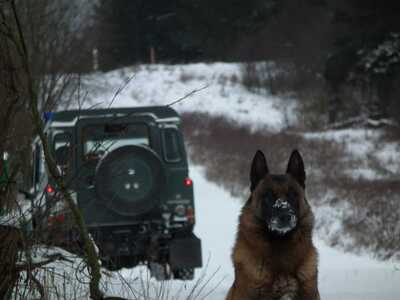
[(129, 180)]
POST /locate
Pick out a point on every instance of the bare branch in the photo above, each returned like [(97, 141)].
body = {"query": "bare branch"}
[(121, 88), (188, 95)]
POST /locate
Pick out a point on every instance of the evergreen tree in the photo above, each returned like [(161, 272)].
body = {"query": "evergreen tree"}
[(367, 52), (117, 33), (216, 27)]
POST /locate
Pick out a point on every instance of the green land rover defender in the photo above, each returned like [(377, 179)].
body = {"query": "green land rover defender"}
[(127, 170)]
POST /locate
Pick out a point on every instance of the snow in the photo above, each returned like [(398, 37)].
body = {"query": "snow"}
[(350, 277), (17, 218), (383, 57), (364, 145), (218, 87)]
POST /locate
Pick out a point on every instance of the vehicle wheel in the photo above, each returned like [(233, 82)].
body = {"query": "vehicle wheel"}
[(184, 274), (159, 271), (110, 265), (118, 262), (129, 180)]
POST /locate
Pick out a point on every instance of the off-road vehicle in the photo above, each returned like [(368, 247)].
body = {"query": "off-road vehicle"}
[(127, 169)]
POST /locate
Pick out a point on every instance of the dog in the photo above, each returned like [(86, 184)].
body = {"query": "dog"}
[(274, 256)]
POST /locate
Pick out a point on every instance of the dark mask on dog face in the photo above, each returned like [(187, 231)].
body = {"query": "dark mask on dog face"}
[(276, 198), (279, 206)]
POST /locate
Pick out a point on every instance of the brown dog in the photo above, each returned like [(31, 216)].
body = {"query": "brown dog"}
[(274, 257)]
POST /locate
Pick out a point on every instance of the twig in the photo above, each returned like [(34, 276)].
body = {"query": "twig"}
[(120, 89), (188, 95), (31, 266)]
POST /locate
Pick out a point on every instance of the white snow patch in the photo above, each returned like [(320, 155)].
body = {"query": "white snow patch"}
[(223, 93)]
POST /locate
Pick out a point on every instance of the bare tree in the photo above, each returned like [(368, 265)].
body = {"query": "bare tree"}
[(38, 60)]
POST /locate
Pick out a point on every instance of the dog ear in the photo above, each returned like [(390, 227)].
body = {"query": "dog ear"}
[(296, 168), (258, 170)]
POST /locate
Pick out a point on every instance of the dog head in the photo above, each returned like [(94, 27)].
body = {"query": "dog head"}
[(277, 201)]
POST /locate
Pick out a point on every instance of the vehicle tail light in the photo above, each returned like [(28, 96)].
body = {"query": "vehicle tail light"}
[(188, 182), (50, 190), (190, 214)]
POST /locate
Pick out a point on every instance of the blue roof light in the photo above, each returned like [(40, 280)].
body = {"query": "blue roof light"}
[(48, 116)]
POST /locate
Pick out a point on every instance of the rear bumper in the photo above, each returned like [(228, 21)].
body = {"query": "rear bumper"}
[(179, 251)]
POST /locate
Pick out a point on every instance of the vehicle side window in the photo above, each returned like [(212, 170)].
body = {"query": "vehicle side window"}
[(171, 148), (62, 149)]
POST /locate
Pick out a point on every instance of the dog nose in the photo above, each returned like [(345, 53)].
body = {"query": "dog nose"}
[(285, 218)]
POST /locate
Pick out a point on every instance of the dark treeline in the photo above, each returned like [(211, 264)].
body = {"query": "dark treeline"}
[(350, 48), (178, 30)]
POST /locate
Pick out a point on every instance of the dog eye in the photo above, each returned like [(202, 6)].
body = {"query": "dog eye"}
[(270, 196), (292, 194)]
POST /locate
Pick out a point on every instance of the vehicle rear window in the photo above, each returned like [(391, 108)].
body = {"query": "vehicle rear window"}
[(172, 152), (101, 139)]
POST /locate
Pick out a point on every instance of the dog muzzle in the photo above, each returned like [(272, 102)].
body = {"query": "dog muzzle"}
[(283, 218)]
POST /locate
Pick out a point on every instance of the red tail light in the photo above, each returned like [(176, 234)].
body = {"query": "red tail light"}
[(50, 190), (188, 182)]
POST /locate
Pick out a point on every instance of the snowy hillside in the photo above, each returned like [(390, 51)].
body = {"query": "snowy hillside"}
[(213, 88)]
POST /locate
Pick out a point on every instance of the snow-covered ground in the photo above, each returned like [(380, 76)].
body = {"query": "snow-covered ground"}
[(362, 144), (341, 276)]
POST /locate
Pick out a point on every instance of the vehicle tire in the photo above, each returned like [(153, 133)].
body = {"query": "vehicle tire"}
[(184, 273), (129, 180), (118, 262)]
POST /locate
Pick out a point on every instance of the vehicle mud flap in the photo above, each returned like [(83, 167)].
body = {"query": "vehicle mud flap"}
[(185, 252)]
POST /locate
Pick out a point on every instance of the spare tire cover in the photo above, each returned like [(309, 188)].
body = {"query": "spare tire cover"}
[(129, 180)]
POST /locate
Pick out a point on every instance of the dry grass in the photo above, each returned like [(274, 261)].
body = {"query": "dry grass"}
[(227, 150)]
